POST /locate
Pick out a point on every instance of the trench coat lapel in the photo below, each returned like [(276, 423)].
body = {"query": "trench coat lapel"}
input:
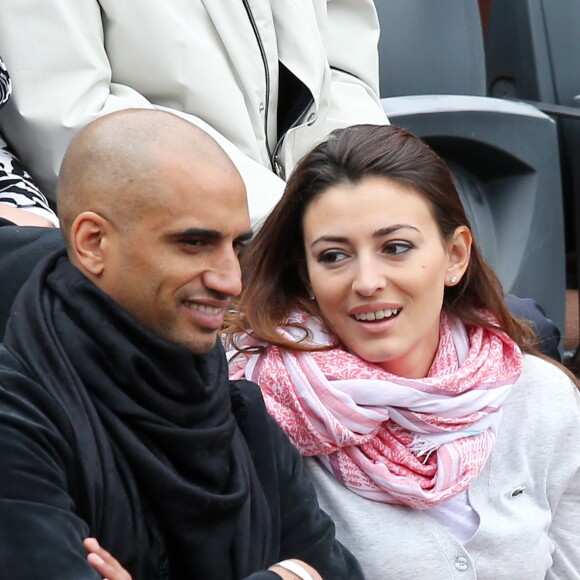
[(296, 22)]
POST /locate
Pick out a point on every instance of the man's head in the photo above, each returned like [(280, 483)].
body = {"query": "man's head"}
[(154, 213)]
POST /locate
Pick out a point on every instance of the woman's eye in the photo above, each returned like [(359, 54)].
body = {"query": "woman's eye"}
[(332, 257), (397, 248)]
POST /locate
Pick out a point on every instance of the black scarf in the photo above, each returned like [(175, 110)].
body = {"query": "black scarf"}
[(166, 411)]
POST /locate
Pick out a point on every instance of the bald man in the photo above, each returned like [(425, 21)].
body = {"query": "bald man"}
[(117, 419)]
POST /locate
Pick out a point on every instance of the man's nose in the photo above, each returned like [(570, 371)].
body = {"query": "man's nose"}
[(224, 274)]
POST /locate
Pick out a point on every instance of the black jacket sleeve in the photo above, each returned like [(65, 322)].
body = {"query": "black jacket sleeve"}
[(40, 535), (21, 248)]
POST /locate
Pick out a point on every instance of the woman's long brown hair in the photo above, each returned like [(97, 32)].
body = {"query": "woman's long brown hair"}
[(275, 278)]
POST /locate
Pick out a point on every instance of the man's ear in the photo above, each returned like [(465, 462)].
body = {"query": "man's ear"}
[(458, 252), (88, 236)]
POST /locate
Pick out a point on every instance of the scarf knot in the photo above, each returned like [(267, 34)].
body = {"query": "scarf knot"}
[(417, 442)]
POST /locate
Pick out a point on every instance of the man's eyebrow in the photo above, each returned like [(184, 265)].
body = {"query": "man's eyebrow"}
[(377, 234), (208, 234), (245, 237), (197, 233)]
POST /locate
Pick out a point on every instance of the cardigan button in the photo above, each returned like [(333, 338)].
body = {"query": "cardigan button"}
[(461, 564)]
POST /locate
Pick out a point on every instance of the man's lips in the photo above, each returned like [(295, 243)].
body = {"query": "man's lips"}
[(205, 314), (205, 308)]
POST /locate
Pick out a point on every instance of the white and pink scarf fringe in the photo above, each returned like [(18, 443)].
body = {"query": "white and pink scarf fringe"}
[(417, 442)]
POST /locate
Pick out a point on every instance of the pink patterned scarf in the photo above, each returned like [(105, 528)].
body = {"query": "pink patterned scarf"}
[(417, 442)]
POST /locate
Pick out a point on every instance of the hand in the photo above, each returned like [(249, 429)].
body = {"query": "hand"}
[(103, 562), (21, 217), (287, 575)]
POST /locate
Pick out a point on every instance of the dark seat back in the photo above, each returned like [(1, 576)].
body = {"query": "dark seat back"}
[(503, 154), (533, 53), (436, 51)]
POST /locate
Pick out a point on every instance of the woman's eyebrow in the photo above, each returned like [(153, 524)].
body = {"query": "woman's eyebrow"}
[(393, 228), (336, 239), (377, 234)]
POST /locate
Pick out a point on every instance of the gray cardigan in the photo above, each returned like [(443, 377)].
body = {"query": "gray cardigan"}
[(531, 535)]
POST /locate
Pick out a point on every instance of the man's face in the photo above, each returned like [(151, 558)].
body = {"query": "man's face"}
[(176, 268)]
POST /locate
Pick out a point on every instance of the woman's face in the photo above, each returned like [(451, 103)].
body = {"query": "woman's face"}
[(378, 266)]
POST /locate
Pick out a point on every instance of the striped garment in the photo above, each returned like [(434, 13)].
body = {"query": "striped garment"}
[(16, 186), (5, 85)]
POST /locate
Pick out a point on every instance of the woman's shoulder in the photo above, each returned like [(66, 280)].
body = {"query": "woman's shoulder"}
[(545, 389), (538, 438), (537, 370)]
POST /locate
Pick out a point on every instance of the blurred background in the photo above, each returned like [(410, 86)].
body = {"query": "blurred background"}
[(494, 87)]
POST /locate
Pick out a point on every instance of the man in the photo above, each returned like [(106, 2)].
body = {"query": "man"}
[(117, 419), (266, 79)]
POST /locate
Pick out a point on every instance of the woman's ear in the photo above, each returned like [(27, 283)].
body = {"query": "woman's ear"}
[(87, 240), (458, 253)]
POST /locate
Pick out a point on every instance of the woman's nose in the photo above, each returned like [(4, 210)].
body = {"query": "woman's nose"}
[(368, 277)]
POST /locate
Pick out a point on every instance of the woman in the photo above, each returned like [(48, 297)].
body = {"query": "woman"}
[(438, 440), (21, 202)]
